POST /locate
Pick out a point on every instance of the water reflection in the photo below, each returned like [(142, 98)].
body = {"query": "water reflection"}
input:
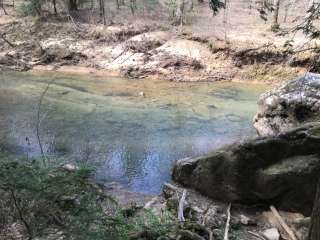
[(134, 139)]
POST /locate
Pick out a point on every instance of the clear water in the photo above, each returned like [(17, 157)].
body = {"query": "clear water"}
[(134, 139)]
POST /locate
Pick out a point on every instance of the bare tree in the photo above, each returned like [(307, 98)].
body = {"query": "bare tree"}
[(133, 6), (275, 20), (102, 11), (72, 5), (180, 11)]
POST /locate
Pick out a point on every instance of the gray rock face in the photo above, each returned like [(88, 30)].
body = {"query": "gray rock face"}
[(282, 170), (292, 104)]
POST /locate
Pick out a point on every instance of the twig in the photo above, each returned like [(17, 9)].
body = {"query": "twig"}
[(38, 121), (226, 231), (15, 202), (306, 49), (257, 235), (283, 224), (180, 207)]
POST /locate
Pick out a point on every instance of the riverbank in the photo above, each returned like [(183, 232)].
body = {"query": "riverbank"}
[(145, 51)]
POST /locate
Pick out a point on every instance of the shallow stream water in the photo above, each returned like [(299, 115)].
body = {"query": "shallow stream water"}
[(133, 130)]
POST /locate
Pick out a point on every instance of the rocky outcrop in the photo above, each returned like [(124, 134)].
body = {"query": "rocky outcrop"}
[(282, 170), (292, 104)]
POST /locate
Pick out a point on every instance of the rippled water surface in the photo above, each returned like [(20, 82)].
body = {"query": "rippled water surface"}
[(132, 129)]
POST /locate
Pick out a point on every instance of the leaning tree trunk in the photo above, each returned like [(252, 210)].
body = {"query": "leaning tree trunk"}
[(275, 21), (314, 232)]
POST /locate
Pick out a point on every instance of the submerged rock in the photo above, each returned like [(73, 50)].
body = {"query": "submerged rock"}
[(292, 104), (282, 170)]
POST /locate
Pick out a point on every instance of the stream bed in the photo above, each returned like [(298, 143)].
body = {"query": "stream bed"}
[(132, 130)]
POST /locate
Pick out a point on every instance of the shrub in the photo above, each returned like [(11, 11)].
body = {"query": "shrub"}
[(41, 199)]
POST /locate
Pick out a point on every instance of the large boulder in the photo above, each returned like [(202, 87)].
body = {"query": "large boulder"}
[(282, 170), (288, 106)]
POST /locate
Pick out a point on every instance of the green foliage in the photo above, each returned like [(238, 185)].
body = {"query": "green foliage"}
[(147, 223), (43, 198), (53, 200)]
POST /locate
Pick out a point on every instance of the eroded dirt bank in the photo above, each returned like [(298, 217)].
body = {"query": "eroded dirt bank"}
[(143, 50)]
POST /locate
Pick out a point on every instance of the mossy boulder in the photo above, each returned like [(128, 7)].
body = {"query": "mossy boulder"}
[(290, 105), (282, 170)]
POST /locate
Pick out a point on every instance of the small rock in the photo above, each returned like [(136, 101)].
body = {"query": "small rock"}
[(141, 94), (69, 167), (271, 234), (246, 220)]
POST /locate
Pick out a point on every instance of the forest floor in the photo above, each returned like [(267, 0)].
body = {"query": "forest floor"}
[(206, 48)]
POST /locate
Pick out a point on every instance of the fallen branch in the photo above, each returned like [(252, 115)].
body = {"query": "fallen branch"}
[(283, 224), (180, 207), (226, 231), (245, 51)]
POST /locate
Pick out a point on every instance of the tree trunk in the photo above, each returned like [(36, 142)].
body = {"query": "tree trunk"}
[(314, 232), (38, 9), (180, 11), (133, 6), (54, 3), (275, 21), (102, 12), (73, 6)]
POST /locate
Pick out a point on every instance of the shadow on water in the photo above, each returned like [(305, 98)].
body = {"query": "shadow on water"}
[(134, 139)]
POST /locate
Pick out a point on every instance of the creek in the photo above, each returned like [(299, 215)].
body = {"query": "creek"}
[(132, 130)]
